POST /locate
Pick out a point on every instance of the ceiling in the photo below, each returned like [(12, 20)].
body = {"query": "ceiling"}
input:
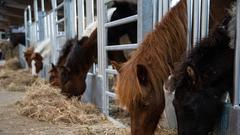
[(12, 12)]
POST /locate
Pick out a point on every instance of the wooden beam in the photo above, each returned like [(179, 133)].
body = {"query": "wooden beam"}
[(17, 6), (7, 13)]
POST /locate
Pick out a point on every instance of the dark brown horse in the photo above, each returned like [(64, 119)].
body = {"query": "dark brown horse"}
[(200, 83), (54, 73), (75, 69), (140, 81), (79, 61), (16, 38)]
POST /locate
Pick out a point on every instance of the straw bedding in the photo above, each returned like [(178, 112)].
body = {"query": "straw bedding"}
[(45, 103), (14, 79)]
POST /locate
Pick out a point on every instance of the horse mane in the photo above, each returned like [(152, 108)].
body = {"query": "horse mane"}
[(161, 47), (65, 51), (206, 48), (83, 54)]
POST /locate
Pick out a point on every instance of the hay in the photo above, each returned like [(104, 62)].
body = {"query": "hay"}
[(15, 80), (8, 50), (13, 64), (45, 103)]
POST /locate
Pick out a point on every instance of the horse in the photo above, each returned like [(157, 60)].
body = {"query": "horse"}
[(88, 50), (54, 73), (139, 85), (17, 38), (35, 56), (200, 82)]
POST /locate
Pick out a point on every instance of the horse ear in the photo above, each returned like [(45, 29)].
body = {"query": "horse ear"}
[(191, 73), (142, 75), (116, 65), (53, 66)]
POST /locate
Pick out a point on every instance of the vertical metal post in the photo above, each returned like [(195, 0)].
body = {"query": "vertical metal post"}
[(26, 27), (70, 21), (155, 12), (102, 41), (81, 22), (160, 10), (90, 11), (196, 20), (189, 34), (237, 60), (145, 15), (55, 46), (36, 10), (205, 18), (165, 6)]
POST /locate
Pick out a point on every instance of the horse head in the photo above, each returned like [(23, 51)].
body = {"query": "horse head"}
[(54, 76), (37, 63), (72, 84), (27, 55), (144, 103), (200, 82)]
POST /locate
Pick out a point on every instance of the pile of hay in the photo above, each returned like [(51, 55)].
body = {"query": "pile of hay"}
[(13, 64), (45, 103), (8, 50), (15, 80)]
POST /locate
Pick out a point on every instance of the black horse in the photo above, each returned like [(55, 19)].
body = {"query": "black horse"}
[(200, 82)]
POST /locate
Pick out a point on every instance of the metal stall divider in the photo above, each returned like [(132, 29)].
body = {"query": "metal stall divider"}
[(56, 33), (28, 36), (145, 25), (234, 119)]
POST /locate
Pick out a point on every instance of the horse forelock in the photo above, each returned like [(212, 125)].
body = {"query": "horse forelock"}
[(164, 45)]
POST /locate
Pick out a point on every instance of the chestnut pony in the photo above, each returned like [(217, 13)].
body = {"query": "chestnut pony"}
[(139, 85)]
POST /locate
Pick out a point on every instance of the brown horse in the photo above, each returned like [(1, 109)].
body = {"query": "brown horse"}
[(27, 54), (79, 61), (139, 85), (54, 73)]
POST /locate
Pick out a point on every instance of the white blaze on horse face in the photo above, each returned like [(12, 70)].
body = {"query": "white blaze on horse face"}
[(34, 72)]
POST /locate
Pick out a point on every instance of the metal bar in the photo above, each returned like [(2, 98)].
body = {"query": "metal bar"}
[(43, 6), (237, 60), (121, 47), (145, 15), (89, 11), (110, 94), (59, 6), (29, 14), (155, 12), (102, 41), (112, 71), (59, 36), (60, 21), (165, 6), (160, 10), (197, 21), (205, 18), (122, 21), (189, 34), (81, 22), (36, 10)]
